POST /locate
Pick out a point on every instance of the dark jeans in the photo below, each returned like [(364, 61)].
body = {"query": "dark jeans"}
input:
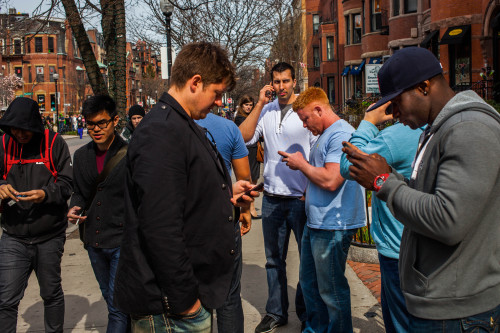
[(17, 261), (322, 275), (230, 316), (393, 302), (104, 263), (198, 322), (486, 322), (279, 217)]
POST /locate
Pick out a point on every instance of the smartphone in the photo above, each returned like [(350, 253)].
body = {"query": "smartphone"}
[(271, 95), (255, 188), (82, 213)]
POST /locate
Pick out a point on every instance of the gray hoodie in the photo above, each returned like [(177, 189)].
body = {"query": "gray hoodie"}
[(449, 260)]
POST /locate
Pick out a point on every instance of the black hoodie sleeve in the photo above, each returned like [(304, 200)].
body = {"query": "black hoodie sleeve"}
[(59, 192)]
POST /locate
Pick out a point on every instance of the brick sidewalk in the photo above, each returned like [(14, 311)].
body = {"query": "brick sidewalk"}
[(369, 274)]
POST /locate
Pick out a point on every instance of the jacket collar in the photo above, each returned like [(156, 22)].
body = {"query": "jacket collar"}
[(169, 100)]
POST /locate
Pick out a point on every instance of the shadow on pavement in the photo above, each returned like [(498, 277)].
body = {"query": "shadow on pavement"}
[(76, 308)]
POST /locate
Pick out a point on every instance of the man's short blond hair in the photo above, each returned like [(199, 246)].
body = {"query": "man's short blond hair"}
[(312, 94)]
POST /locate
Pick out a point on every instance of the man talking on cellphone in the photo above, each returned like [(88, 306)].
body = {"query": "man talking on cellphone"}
[(178, 250)]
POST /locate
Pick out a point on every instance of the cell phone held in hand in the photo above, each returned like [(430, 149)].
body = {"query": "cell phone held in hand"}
[(255, 188), (271, 95)]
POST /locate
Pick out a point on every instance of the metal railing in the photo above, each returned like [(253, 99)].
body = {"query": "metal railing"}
[(483, 88)]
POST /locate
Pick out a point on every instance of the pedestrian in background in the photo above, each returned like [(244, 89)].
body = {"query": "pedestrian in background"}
[(135, 115), (245, 107), (449, 271), (34, 188), (283, 207), (177, 262), (97, 204), (335, 210), (398, 145)]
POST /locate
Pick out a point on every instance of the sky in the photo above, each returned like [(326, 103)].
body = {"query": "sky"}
[(24, 6)]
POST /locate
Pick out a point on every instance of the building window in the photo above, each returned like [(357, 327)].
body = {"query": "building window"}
[(51, 44), (38, 45), (315, 23), (30, 76), (410, 6), (28, 44), (316, 56), (395, 7), (353, 29), (19, 72), (39, 74), (331, 89), (52, 71), (348, 29), (17, 46), (356, 35), (376, 16), (329, 48)]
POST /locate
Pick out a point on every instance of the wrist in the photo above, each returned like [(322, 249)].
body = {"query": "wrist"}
[(379, 181)]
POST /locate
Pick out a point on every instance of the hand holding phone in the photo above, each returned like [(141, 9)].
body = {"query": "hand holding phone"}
[(257, 188)]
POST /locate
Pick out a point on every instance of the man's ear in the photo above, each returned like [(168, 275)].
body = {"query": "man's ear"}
[(116, 119), (195, 82), (318, 108), (424, 87)]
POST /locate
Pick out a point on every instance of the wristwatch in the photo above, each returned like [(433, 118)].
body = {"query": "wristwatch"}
[(379, 181)]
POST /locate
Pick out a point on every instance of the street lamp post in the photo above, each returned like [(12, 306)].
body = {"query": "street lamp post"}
[(55, 76), (140, 95), (167, 8)]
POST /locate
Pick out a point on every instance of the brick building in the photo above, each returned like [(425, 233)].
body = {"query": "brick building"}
[(36, 49), (347, 41)]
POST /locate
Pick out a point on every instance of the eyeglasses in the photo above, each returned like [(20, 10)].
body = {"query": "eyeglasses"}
[(102, 124)]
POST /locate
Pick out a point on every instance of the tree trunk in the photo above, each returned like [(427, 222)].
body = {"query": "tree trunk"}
[(93, 72), (113, 28)]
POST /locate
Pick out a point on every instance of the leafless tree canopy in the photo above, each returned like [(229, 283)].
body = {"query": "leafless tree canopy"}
[(247, 28)]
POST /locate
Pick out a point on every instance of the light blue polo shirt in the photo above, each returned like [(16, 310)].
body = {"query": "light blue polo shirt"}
[(343, 208)]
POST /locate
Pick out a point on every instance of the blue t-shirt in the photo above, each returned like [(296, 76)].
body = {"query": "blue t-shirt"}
[(343, 208), (398, 145), (227, 137)]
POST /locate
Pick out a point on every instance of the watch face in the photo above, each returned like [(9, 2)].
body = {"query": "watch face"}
[(380, 181)]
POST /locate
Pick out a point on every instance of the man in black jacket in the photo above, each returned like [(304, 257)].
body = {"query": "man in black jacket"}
[(177, 264), (102, 227), (35, 186)]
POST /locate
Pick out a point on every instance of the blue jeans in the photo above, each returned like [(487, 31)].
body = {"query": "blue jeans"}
[(393, 302), (279, 217), (104, 263), (230, 317), (322, 276), (198, 322), (486, 322), (17, 261)]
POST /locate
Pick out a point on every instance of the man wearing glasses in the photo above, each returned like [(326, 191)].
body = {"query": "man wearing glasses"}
[(97, 204)]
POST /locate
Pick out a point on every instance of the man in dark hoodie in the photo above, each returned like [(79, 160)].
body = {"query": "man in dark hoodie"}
[(449, 268), (101, 226), (35, 186), (135, 115)]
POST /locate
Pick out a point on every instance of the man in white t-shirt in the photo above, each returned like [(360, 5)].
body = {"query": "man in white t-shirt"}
[(283, 208)]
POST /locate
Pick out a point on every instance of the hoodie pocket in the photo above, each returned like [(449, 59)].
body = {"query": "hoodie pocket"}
[(413, 281)]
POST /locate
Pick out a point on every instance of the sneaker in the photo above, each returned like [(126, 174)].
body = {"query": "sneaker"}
[(268, 324)]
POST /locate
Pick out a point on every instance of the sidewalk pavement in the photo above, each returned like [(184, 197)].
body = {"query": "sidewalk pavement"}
[(86, 310)]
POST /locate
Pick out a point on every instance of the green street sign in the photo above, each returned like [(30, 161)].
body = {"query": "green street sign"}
[(27, 94)]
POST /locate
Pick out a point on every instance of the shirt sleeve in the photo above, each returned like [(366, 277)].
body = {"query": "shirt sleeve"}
[(239, 148)]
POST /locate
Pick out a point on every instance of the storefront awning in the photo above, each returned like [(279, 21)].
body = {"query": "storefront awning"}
[(375, 61), (427, 40), (455, 35), (357, 69), (346, 70)]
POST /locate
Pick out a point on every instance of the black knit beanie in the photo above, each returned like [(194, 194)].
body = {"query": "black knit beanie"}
[(136, 110)]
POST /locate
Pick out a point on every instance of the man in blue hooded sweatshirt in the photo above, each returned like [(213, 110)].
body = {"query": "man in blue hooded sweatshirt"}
[(36, 170)]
